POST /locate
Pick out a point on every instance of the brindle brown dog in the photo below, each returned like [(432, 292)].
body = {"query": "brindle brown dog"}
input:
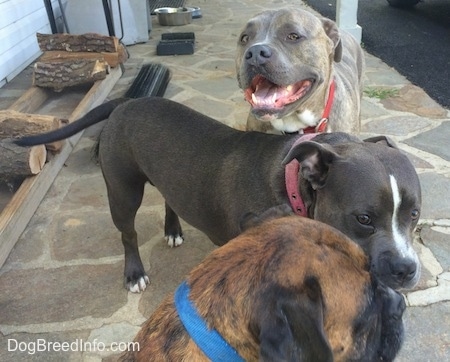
[(296, 70), (289, 289)]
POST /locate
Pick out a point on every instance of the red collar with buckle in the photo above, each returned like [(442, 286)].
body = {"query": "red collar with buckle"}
[(323, 123), (291, 173)]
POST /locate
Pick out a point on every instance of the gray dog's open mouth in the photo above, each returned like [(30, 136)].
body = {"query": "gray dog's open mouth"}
[(264, 94)]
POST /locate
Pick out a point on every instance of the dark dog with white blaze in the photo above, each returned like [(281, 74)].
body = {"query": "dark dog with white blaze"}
[(211, 175), (289, 289)]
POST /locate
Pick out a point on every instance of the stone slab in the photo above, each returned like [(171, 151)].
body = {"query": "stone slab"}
[(438, 243), (427, 334), (434, 205), (61, 294), (435, 141), (397, 125), (169, 266), (414, 99)]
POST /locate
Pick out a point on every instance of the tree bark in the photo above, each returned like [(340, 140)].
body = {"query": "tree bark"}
[(60, 75), (19, 161), (89, 42), (16, 124)]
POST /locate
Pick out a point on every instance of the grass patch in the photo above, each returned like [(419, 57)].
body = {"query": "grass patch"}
[(381, 93)]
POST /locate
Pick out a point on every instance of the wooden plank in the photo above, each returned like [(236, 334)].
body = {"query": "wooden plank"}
[(31, 100), (16, 215), (18, 9), (21, 29), (24, 52)]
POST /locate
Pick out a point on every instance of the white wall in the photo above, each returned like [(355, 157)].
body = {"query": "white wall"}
[(20, 20)]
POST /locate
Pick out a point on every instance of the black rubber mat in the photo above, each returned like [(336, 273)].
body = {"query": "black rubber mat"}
[(152, 80), (155, 4), (176, 44)]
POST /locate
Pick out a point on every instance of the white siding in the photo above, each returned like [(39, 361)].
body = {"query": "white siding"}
[(20, 20)]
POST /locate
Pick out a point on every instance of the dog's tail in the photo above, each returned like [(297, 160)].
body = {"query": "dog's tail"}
[(94, 116)]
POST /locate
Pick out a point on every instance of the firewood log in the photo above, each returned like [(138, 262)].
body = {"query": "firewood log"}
[(16, 124), (16, 161), (89, 42), (60, 75)]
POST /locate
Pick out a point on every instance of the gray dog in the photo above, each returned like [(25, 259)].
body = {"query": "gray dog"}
[(213, 176), (300, 73)]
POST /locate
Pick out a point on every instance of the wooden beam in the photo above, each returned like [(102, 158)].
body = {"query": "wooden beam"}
[(15, 216), (31, 100)]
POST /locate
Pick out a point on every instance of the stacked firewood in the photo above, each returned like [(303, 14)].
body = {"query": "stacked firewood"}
[(70, 60), (67, 60), (18, 161)]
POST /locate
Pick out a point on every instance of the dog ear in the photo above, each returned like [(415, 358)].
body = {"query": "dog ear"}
[(291, 325), (315, 159), (332, 31), (383, 140)]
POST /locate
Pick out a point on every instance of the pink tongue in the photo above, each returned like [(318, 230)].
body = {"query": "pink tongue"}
[(265, 91), (270, 95)]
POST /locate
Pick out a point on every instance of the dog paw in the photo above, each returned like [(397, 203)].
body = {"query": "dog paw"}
[(174, 240), (138, 285)]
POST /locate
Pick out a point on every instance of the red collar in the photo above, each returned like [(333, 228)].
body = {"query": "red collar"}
[(291, 173), (322, 125)]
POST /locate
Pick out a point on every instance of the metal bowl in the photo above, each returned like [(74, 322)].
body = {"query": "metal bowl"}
[(196, 12), (174, 16)]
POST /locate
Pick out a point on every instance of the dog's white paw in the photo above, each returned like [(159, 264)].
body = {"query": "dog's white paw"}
[(140, 285), (174, 240)]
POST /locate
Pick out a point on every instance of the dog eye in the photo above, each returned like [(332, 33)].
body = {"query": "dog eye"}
[(293, 36), (244, 38), (415, 214), (364, 219)]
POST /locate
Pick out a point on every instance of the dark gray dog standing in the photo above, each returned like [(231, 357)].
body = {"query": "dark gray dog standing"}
[(212, 176), (287, 63)]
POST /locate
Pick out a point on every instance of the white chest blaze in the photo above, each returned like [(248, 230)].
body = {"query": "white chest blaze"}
[(401, 243), (295, 121)]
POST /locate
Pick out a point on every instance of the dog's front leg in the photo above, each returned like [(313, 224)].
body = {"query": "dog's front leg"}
[(172, 228)]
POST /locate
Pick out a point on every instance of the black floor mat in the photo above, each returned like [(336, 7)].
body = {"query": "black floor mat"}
[(155, 4), (152, 80)]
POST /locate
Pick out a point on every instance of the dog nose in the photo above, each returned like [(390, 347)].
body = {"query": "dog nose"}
[(258, 54), (403, 271)]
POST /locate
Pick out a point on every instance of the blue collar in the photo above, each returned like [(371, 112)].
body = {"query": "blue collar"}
[(208, 340)]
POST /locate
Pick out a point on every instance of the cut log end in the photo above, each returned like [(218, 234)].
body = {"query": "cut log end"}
[(16, 124), (19, 161), (38, 155)]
